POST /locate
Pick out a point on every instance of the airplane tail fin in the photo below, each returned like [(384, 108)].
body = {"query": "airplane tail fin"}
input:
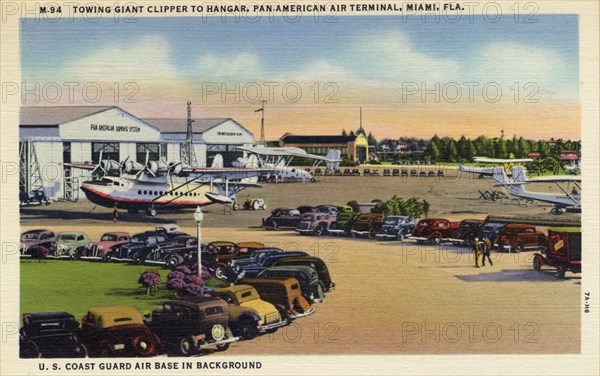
[(333, 159), (217, 161), (514, 186)]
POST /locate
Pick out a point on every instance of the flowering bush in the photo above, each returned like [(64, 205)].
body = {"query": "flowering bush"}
[(150, 279), (185, 282)]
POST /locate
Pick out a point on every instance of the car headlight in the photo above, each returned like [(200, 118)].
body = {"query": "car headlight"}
[(217, 332)]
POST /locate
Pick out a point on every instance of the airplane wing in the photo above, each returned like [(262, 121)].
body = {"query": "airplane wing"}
[(83, 166), (229, 173), (555, 179), (500, 161), (285, 152)]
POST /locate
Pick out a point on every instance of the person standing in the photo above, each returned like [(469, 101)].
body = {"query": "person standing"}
[(477, 251), (487, 247), (115, 212)]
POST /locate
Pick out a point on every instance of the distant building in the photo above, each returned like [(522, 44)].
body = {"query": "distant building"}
[(355, 148), (570, 159)]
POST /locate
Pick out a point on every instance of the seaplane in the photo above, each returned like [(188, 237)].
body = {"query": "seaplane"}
[(515, 180), (508, 164), (280, 158), (160, 185)]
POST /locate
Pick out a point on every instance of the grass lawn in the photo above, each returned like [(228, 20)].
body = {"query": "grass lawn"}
[(75, 286)]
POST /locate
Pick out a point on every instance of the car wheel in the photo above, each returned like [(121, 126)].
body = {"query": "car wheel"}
[(152, 212), (519, 248), (255, 205), (319, 230), (400, 236), (173, 261), (81, 351), (29, 350), (263, 206), (107, 257), (248, 328), (223, 347), (106, 353), (187, 346), (436, 240), (372, 233), (560, 271), (220, 273), (537, 262)]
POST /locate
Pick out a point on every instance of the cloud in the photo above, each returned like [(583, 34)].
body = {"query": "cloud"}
[(244, 65), (320, 70), (145, 60), (511, 62), (392, 56)]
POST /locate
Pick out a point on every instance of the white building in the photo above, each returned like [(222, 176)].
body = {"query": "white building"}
[(50, 136)]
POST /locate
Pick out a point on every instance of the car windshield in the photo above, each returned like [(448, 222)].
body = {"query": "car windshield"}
[(363, 219), (30, 237), (391, 221), (307, 217), (137, 239), (426, 222), (67, 237), (109, 238)]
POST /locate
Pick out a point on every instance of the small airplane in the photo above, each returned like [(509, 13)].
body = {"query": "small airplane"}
[(508, 164), (157, 184), (515, 184), (279, 159)]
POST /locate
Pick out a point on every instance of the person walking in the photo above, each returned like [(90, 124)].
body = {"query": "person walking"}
[(477, 251), (115, 213), (487, 247)]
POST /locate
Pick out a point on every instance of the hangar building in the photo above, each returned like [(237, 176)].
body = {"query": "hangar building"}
[(49, 136)]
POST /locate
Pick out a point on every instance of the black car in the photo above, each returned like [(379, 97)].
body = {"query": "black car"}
[(308, 277), (143, 242), (252, 270), (282, 218), (192, 324), (50, 335)]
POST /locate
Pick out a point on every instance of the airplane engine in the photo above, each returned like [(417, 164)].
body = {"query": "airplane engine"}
[(175, 168), (158, 168), (132, 167), (111, 167)]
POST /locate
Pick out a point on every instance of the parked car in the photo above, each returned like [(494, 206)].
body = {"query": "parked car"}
[(37, 197), (467, 231), (249, 315), (315, 223), (70, 244), (563, 251), (284, 293), (37, 243), (181, 250), (255, 256), (490, 230), (282, 218), (434, 230), (108, 242), (252, 269), (118, 331), (170, 229), (252, 204), (343, 223), (142, 242), (395, 227), (315, 263), (192, 324), (520, 237), (50, 335), (308, 277), (328, 209), (367, 224)]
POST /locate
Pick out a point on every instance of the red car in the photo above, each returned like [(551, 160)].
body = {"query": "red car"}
[(108, 242), (118, 331), (434, 230), (517, 237), (563, 252)]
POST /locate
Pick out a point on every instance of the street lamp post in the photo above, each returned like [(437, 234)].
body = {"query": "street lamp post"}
[(198, 217)]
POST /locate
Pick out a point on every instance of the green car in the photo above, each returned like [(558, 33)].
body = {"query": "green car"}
[(69, 244), (343, 223)]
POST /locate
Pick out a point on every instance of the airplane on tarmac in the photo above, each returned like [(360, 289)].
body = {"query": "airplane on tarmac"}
[(508, 164), (279, 159), (157, 184), (515, 184)]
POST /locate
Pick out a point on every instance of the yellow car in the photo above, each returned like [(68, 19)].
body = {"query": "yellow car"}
[(249, 315)]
